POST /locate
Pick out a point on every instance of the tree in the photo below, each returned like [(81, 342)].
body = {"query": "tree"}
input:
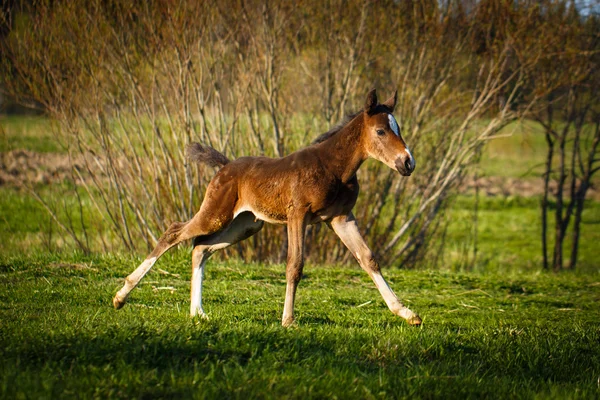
[(564, 51)]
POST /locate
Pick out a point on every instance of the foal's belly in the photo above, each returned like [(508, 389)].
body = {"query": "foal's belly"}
[(272, 218), (278, 219)]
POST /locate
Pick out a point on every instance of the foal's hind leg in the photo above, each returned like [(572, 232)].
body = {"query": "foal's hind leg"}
[(242, 227), (215, 214), (172, 236)]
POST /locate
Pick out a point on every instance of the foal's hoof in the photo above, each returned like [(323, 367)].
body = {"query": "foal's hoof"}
[(414, 320), (287, 322), (200, 316), (118, 303), (197, 313)]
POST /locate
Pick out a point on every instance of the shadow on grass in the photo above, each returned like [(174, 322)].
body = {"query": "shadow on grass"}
[(245, 358)]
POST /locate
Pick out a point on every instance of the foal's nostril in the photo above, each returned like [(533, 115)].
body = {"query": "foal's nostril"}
[(407, 165)]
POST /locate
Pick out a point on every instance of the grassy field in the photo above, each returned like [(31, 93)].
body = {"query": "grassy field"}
[(508, 235), (484, 336), (518, 152), (493, 328), (31, 133)]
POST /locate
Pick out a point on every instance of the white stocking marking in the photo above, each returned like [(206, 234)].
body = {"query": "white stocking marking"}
[(196, 300), (135, 278), (390, 298)]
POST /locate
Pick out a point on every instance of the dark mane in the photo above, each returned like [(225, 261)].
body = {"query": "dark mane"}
[(336, 128)]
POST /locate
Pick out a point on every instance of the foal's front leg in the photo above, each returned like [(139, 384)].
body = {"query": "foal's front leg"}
[(347, 229), (295, 262)]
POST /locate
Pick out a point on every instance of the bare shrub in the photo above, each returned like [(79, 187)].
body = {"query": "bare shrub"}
[(132, 84)]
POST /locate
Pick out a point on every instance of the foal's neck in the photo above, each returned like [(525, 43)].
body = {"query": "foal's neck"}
[(343, 153)]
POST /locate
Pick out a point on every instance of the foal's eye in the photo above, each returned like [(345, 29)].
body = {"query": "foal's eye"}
[(380, 132)]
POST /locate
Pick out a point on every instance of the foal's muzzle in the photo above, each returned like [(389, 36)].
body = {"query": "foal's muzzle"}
[(405, 164)]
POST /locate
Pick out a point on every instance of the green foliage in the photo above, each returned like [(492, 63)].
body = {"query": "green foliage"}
[(492, 336)]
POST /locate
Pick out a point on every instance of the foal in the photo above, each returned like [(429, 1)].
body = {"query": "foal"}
[(314, 184)]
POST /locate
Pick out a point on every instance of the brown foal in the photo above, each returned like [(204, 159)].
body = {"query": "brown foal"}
[(312, 185)]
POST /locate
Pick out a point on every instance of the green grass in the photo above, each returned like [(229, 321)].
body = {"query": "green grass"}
[(518, 152), (30, 133), (25, 225), (509, 235), (484, 336)]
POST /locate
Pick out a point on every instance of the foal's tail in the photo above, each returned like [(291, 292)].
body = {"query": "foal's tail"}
[(206, 155)]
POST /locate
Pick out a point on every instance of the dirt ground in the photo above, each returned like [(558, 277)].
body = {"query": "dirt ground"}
[(27, 167), (502, 186), (20, 167)]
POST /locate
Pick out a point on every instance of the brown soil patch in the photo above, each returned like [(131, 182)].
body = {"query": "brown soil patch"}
[(20, 167), (526, 187)]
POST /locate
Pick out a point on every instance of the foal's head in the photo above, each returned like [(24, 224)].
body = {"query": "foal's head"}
[(381, 136)]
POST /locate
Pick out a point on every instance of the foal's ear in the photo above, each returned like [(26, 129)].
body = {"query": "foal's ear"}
[(391, 102), (371, 102)]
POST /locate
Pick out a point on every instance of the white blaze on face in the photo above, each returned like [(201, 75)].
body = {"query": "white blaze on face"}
[(394, 125), (412, 159)]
